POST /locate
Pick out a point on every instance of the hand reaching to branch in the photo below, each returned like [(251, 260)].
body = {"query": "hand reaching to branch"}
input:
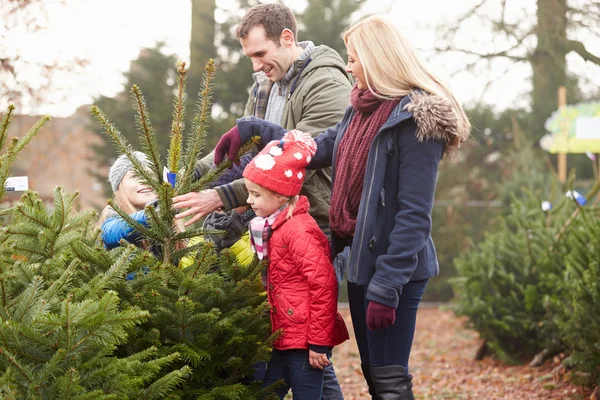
[(199, 204), (228, 144)]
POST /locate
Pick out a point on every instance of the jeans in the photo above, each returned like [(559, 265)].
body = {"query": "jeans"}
[(293, 367), (331, 386), (392, 345)]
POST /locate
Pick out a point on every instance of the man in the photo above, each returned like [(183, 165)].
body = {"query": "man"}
[(298, 86)]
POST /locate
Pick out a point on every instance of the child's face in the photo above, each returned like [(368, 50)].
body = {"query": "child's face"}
[(263, 202), (138, 194)]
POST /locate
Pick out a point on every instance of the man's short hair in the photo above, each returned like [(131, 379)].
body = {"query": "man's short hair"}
[(273, 17)]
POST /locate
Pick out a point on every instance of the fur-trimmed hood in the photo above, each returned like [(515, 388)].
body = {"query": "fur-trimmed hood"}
[(437, 118)]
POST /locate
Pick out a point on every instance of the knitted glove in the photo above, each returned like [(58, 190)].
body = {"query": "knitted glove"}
[(229, 144), (380, 316)]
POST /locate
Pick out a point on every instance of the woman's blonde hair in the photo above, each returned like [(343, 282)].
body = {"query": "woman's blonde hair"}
[(393, 68)]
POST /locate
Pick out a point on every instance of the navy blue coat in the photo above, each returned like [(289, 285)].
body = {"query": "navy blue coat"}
[(392, 243)]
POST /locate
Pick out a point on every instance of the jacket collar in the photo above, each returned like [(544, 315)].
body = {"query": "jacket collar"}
[(435, 118), (302, 206)]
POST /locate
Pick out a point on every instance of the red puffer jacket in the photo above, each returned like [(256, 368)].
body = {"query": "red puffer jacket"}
[(302, 286)]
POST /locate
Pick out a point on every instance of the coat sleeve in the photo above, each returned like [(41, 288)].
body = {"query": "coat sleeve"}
[(310, 255), (116, 228), (419, 162), (267, 131), (233, 194), (325, 100)]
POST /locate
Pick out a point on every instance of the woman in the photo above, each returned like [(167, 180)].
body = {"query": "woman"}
[(385, 154)]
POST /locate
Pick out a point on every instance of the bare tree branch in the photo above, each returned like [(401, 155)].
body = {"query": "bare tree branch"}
[(579, 48)]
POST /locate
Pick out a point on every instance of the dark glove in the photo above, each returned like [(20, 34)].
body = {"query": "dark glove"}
[(229, 144), (380, 316)]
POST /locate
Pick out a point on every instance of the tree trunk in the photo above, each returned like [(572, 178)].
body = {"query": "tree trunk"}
[(548, 61), (202, 44)]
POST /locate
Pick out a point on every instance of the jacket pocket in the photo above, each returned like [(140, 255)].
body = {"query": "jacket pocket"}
[(292, 313)]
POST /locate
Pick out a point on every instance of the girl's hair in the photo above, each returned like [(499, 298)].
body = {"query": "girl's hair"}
[(291, 201), (393, 67), (121, 201)]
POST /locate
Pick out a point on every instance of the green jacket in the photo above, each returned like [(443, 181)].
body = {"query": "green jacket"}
[(317, 98)]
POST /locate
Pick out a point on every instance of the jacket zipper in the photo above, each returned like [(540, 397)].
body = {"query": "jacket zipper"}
[(362, 234)]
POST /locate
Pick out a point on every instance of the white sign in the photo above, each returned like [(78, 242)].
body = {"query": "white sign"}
[(16, 184), (587, 128)]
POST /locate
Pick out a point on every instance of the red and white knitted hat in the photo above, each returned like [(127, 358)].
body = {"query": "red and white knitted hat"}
[(281, 165)]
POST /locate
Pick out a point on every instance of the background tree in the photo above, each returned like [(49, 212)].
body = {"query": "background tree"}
[(543, 41), (324, 22), (24, 80), (202, 45)]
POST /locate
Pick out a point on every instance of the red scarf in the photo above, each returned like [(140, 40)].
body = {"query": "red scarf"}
[(351, 159)]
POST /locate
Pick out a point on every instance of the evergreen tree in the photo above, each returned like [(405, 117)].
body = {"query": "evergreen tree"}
[(213, 313), (72, 326), (577, 314), (59, 329)]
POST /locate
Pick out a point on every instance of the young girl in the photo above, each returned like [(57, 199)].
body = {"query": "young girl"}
[(301, 282), (131, 196)]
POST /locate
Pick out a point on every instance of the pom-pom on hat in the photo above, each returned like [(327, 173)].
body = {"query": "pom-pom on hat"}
[(121, 166), (281, 165)]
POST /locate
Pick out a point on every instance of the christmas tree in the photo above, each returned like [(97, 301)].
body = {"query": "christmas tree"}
[(59, 329), (71, 326), (213, 313)]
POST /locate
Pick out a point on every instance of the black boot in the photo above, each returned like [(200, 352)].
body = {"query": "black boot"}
[(391, 382), (366, 369)]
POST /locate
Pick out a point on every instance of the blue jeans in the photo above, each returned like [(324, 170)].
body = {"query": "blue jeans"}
[(392, 345), (293, 367), (331, 386)]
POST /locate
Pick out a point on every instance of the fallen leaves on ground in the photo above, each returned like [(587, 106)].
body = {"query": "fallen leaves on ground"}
[(442, 363)]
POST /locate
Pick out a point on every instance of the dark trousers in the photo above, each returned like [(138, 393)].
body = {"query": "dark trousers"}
[(331, 386), (293, 367), (392, 345)]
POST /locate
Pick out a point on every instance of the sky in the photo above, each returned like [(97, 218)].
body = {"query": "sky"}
[(110, 33)]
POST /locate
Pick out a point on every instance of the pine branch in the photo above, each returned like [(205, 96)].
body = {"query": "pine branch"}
[(5, 125), (155, 220), (146, 132), (197, 139), (191, 233), (165, 385), (101, 281), (178, 118), (63, 281), (25, 301), (113, 134), (15, 146), (15, 363), (24, 141), (136, 225)]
